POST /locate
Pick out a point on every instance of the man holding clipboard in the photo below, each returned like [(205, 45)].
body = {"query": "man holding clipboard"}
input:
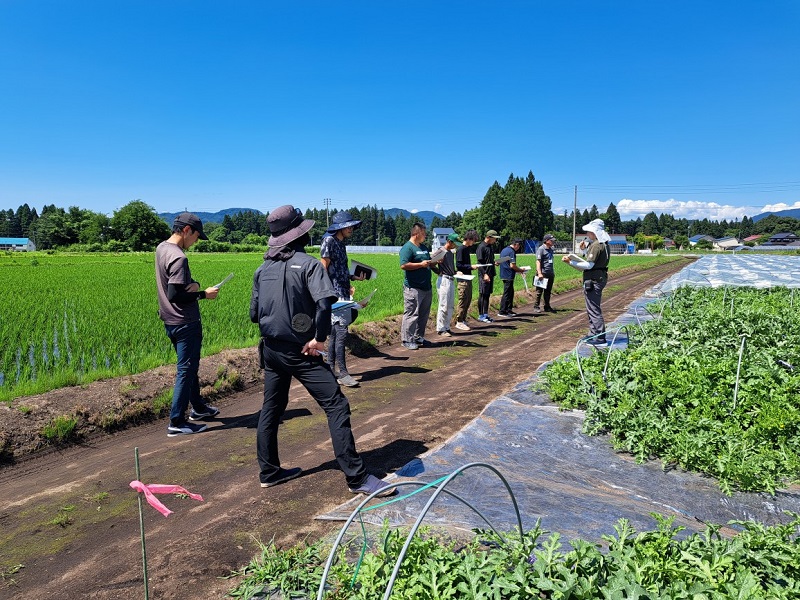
[(545, 270), (178, 296)]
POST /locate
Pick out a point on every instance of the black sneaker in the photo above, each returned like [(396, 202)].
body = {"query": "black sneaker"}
[(208, 411), (185, 429), (283, 476)]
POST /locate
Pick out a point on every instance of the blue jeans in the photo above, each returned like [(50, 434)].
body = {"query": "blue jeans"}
[(186, 339)]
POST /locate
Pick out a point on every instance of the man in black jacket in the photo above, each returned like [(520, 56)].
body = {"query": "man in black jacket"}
[(291, 302)]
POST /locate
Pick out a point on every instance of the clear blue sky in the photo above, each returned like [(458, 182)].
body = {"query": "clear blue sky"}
[(686, 107)]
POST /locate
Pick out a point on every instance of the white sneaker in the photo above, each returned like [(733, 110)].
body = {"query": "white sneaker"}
[(462, 326)]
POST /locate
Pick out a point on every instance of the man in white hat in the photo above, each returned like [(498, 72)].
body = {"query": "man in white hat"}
[(595, 277), (291, 302)]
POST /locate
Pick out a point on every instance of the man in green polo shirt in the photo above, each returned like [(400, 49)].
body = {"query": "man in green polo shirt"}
[(415, 260)]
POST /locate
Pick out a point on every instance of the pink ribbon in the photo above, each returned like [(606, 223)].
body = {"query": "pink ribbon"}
[(157, 488)]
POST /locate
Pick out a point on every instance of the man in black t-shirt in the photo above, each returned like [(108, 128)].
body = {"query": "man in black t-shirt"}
[(464, 266), (486, 273)]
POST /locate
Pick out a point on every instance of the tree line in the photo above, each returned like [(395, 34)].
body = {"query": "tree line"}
[(518, 209)]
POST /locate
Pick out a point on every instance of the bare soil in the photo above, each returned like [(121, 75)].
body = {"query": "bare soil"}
[(69, 524)]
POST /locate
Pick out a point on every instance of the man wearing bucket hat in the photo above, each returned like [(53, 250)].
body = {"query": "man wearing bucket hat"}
[(333, 255), (291, 302), (545, 270), (445, 286), (486, 273), (595, 277), (178, 294)]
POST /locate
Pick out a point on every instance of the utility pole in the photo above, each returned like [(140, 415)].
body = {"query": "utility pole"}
[(327, 202), (574, 216)]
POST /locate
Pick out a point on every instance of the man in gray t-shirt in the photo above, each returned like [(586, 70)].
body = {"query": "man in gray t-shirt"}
[(545, 269), (178, 294)]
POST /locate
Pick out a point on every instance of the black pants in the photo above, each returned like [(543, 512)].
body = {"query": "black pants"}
[(507, 301), (282, 361), (547, 291), (484, 292)]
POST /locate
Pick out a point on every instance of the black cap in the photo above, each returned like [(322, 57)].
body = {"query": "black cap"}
[(192, 220)]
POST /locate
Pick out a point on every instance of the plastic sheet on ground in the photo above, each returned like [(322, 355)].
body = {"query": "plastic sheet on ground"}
[(576, 484), (748, 270)]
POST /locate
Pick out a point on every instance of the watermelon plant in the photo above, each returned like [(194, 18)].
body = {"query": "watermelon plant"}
[(711, 386)]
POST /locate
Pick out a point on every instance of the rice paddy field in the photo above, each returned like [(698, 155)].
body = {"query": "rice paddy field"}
[(69, 319)]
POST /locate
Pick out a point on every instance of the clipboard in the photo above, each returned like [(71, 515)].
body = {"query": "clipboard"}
[(223, 282), (438, 255), (540, 282), (576, 258)]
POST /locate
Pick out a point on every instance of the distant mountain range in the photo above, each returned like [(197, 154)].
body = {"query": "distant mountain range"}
[(794, 213), (217, 217), (207, 217)]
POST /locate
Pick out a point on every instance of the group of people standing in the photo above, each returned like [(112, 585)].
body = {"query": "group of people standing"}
[(416, 262), (292, 301)]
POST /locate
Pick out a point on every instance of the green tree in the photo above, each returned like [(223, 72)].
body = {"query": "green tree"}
[(138, 226), (521, 217), (650, 224), (612, 219)]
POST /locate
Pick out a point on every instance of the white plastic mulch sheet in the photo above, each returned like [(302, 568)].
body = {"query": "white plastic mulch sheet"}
[(749, 270)]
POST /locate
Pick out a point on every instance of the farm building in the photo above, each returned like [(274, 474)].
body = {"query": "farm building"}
[(618, 244), (17, 244), (780, 241), (439, 236), (726, 243), (696, 238)]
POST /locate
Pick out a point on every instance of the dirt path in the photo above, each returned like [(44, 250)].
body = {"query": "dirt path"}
[(70, 518)]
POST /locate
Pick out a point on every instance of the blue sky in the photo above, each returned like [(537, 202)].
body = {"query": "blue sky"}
[(689, 108)]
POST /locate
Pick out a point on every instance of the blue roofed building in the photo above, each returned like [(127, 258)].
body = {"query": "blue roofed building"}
[(17, 244)]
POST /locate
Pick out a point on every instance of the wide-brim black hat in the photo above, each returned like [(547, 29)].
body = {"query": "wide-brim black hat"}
[(342, 220), (286, 224)]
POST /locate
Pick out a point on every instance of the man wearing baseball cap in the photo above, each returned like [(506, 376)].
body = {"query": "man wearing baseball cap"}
[(545, 270), (445, 286), (178, 296)]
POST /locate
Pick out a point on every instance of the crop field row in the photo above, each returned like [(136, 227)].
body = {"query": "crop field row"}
[(710, 386), (70, 319)]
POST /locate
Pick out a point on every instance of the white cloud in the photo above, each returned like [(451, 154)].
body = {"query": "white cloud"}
[(692, 209), (780, 206), (437, 207), (414, 211)]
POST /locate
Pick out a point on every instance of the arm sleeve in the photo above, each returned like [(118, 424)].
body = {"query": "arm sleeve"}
[(177, 294), (582, 265), (322, 320)]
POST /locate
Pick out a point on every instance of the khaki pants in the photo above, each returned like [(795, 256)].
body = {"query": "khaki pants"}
[(464, 299)]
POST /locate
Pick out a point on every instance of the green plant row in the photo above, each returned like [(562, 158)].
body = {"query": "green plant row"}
[(758, 562), (673, 393)]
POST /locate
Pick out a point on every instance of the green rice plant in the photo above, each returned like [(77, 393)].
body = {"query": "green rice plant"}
[(76, 318)]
